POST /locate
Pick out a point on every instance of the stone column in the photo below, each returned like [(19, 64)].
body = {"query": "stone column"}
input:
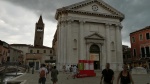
[(62, 43), (119, 56), (81, 41), (69, 47), (103, 57), (58, 47), (108, 58), (100, 53)]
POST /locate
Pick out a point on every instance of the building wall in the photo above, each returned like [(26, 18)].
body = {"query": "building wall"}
[(47, 53), (77, 28), (138, 44), (3, 51), (15, 55), (24, 49)]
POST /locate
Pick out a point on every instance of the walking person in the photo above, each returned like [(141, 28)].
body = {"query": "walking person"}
[(124, 76), (43, 73), (54, 74), (74, 70), (108, 75)]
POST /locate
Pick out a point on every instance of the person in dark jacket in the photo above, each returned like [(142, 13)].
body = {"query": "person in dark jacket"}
[(108, 75)]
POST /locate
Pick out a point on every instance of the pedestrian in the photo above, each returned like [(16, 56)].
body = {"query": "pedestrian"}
[(67, 69), (64, 68), (70, 71), (54, 74), (43, 73), (74, 70), (71, 68), (48, 68), (124, 76), (108, 75)]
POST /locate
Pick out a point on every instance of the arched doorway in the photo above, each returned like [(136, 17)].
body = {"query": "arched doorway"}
[(95, 55)]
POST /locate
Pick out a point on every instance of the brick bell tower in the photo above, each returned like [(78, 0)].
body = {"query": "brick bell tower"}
[(39, 33)]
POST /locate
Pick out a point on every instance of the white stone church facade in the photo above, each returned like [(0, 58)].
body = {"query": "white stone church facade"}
[(89, 30)]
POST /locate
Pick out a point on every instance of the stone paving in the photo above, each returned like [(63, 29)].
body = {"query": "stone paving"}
[(62, 79)]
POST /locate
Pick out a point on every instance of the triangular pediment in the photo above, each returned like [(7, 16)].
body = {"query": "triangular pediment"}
[(97, 7), (95, 36)]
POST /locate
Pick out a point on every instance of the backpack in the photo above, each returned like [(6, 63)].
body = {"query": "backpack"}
[(42, 73)]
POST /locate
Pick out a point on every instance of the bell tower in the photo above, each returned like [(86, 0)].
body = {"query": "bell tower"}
[(39, 33)]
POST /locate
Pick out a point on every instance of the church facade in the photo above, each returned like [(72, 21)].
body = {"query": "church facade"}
[(89, 30)]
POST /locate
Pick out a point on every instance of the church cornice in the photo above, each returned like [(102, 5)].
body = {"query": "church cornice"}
[(71, 8), (90, 13)]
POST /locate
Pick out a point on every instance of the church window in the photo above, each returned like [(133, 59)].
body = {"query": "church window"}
[(75, 44), (94, 49), (112, 46)]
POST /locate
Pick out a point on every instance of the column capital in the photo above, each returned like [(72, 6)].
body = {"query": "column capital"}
[(82, 21), (108, 24), (119, 26)]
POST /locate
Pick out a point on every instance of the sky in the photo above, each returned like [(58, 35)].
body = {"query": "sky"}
[(18, 18)]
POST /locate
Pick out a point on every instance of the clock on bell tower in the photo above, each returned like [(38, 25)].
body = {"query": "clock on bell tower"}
[(39, 33)]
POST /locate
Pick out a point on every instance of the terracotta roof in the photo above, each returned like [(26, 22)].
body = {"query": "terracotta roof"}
[(148, 27)]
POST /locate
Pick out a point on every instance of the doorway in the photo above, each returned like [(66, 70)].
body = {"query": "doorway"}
[(95, 55)]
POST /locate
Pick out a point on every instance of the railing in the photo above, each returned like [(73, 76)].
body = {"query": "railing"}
[(4, 68)]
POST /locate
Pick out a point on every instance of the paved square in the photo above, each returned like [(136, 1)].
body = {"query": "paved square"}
[(62, 79)]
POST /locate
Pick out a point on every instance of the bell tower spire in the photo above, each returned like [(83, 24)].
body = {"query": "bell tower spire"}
[(40, 19), (39, 32)]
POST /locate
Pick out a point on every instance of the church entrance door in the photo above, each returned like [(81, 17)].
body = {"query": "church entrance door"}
[(95, 55)]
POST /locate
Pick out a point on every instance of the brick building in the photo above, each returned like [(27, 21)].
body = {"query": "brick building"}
[(4, 47), (140, 47)]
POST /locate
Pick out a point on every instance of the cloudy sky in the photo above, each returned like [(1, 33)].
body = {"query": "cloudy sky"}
[(18, 18)]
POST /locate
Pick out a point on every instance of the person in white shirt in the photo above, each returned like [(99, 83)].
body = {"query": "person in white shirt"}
[(43, 73), (74, 71)]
